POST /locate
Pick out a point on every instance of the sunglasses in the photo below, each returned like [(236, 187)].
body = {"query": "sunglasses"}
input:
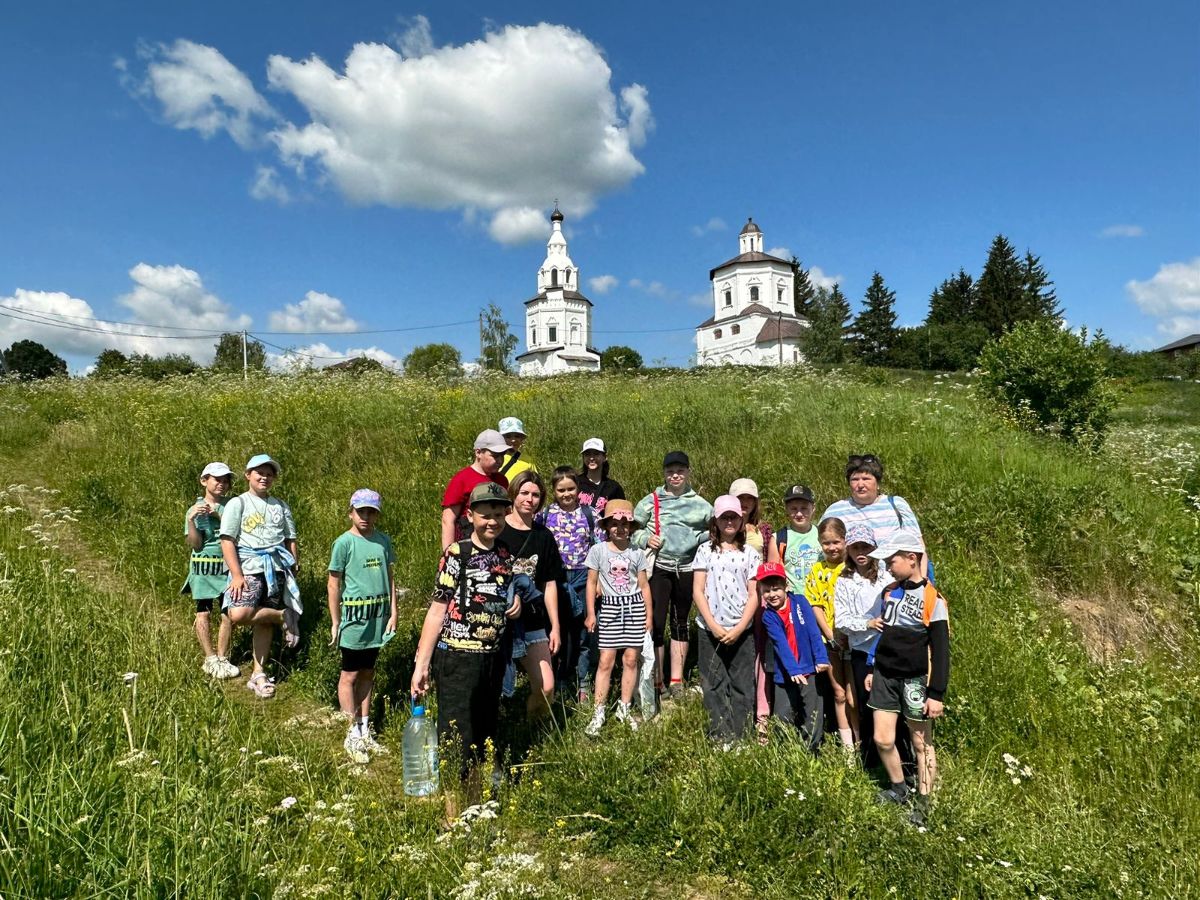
[(857, 460)]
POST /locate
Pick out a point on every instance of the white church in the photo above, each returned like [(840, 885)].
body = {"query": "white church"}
[(558, 320), (754, 321)]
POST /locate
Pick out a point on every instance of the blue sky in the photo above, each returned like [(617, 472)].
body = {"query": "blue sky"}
[(217, 166)]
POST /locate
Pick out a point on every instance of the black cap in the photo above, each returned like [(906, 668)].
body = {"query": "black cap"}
[(799, 492), (676, 458)]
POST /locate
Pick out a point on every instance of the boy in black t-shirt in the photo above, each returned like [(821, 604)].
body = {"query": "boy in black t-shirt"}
[(463, 630)]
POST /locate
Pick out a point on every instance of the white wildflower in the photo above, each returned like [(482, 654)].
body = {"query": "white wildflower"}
[(287, 802)]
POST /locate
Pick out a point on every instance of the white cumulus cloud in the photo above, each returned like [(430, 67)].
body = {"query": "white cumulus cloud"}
[(820, 280), (1123, 231), (712, 225), (316, 312), (320, 355), (780, 252), (267, 186), (197, 88), (416, 40), (518, 225), (1172, 296), (504, 124), (602, 284)]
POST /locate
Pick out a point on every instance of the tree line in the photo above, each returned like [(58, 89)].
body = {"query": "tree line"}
[(964, 314)]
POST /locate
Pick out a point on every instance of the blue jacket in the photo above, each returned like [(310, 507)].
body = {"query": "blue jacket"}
[(809, 640)]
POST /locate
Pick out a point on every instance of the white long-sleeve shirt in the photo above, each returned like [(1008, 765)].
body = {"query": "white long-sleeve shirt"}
[(855, 602)]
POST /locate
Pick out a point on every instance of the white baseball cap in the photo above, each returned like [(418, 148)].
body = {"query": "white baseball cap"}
[(216, 470), (903, 541), (593, 444), (491, 439)]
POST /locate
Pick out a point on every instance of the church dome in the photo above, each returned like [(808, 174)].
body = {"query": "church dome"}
[(750, 227), (556, 216)]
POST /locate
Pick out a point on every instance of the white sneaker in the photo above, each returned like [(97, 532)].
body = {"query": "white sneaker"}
[(226, 669), (373, 746), (624, 715), (211, 666), (596, 724), (356, 749)]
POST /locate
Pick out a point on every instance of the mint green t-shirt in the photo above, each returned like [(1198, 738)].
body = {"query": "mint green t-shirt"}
[(366, 591), (802, 551), (207, 575)]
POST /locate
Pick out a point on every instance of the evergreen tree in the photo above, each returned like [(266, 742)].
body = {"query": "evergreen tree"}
[(1040, 299), (1001, 300), (875, 326), (804, 292), (228, 357), (829, 317), (31, 361), (497, 341), (953, 302)]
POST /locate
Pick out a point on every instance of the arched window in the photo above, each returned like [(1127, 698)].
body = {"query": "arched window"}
[(780, 296), (574, 332), (717, 334), (554, 277), (728, 297), (754, 294), (532, 335), (567, 277), (736, 329)]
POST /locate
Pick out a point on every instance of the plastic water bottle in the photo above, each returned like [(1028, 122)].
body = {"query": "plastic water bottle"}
[(420, 754)]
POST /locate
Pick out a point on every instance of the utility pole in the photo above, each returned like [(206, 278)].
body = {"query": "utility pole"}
[(482, 361), (779, 325), (245, 366)]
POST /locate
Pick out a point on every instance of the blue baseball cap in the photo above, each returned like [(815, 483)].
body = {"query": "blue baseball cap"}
[(263, 460), (366, 498), (511, 425)]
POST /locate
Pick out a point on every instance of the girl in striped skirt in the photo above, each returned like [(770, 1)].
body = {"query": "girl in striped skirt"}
[(619, 608)]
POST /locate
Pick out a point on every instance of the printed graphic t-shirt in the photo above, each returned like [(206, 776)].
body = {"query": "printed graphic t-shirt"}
[(257, 523), (366, 592), (570, 530), (617, 570), (819, 587), (474, 620), (597, 495), (534, 553), (207, 575), (803, 550), (725, 585)]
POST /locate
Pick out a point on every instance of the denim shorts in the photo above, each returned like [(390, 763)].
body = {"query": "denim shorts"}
[(521, 642)]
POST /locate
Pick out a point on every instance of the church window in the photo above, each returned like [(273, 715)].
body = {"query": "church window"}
[(728, 298), (554, 277), (781, 295), (574, 332), (533, 335), (553, 333), (736, 329), (717, 334), (754, 294)]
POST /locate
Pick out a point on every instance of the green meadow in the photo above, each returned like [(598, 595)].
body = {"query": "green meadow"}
[(1069, 766)]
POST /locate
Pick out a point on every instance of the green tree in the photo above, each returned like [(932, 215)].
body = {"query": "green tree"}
[(1001, 289), (433, 360), (228, 357), (1048, 379), (497, 341), (875, 326), (803, 293), (617, 358), (156, 368), (825, 338), (1040, 301), (111, 363), (32, 361), (356, 365), (953, 301)]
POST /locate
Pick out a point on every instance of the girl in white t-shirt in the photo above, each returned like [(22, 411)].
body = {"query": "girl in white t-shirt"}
[(725, 596)]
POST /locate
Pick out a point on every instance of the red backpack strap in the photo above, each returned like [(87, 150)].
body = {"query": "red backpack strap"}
[(657, 506)]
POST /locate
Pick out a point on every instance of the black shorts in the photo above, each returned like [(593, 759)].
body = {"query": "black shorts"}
[(356, 660), (204, 604)]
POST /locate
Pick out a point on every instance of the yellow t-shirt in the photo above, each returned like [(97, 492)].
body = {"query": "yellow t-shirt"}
[(819, 585), (517, 468)]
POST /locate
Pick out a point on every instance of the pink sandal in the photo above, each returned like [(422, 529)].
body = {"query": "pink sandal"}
[(263, 687)]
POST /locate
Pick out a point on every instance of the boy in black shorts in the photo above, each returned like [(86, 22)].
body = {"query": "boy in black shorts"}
[(909, 667), (362, 614)]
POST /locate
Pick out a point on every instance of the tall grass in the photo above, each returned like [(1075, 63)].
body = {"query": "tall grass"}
[(1101, 801)]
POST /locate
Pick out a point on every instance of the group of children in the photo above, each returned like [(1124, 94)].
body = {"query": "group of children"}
[(840, 614)]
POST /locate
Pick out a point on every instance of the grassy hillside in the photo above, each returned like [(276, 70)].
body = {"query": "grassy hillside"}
[(1073, 594)]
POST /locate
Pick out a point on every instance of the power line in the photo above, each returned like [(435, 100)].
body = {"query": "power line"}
[(33, 318)]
